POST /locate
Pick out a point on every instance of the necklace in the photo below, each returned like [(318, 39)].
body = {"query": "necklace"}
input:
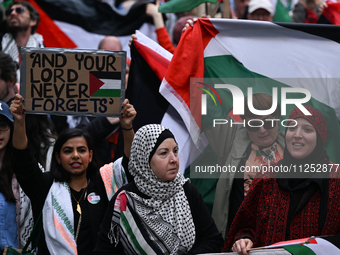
[(79, 210), (78, 205)]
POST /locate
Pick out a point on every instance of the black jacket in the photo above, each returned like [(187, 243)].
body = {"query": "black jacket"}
[(36, 185), (207, 239)]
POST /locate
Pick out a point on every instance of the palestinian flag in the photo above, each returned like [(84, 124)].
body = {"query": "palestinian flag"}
[(82, 24), (323, 245), (282, 9), (182, 5), (271, 55), (105, 84), (330, 14), (148, 67), (255, 54)]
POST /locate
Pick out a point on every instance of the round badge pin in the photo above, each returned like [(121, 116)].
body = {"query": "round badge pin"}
[(93, 198)]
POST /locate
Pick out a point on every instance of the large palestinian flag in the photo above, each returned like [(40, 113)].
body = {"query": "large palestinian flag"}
[(148, 67), (268, 55), (82, 24), (255, 54)]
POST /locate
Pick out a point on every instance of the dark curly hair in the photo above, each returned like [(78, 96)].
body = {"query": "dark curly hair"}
[(8, 67)]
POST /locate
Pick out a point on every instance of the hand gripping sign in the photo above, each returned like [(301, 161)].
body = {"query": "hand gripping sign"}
[(73, 81)]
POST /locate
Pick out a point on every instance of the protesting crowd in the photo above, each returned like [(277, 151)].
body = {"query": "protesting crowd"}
[(95, 184)]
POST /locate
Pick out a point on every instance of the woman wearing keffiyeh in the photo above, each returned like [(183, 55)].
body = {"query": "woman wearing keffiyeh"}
[(160, 212)]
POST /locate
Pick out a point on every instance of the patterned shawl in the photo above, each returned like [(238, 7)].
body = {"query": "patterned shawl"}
[(161, 224)]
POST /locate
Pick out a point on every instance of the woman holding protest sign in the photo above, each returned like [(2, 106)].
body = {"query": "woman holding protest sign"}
[(15, 212), (160, 212), (286, 205), (72, 197)]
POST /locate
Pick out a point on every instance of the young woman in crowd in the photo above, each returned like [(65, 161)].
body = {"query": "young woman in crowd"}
[(291, 205), (72, 197), (15, 216), (160, 209)]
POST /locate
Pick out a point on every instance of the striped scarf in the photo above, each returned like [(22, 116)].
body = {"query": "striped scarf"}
[(58, 220), (113, 176)]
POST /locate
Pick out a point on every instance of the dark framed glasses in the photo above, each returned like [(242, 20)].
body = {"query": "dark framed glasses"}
[(257, 124), (18, 10), (4, 126)]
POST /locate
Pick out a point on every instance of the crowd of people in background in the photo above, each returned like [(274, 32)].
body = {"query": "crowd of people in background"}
[(51, 168)]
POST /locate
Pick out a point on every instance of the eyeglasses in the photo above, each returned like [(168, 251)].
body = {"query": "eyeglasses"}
[(4, 126), (18, 10), (266, 124)]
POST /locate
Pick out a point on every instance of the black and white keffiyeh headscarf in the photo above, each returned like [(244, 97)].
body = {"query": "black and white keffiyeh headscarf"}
[(168, 203)]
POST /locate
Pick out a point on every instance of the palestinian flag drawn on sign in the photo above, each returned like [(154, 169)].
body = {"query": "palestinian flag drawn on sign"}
[(286, 54), (105, 84)]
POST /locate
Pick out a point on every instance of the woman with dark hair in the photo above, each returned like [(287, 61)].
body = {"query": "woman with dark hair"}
[(9, 188), (72, 197), (284, 205), (159, 212), (59, 170), (16, 219), (42, 135)]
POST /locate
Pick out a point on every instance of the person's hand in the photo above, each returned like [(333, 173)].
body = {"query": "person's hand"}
[(189, 23), (17, 108), (321, 7), (133, 36), (127, 115), (152, 9), (241, 246)]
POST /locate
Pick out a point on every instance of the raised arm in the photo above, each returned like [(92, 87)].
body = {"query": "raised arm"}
[(17, 109), (128, 114)]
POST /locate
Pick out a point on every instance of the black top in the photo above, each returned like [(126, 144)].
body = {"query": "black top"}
[(100, 129), (36, 185), (207, 239), (86, 245)]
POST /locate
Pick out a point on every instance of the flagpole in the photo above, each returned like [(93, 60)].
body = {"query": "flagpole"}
[(217, 6)]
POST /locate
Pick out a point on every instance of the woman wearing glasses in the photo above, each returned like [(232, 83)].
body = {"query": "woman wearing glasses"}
[(292, 205), (245, 147), (9, 189)]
